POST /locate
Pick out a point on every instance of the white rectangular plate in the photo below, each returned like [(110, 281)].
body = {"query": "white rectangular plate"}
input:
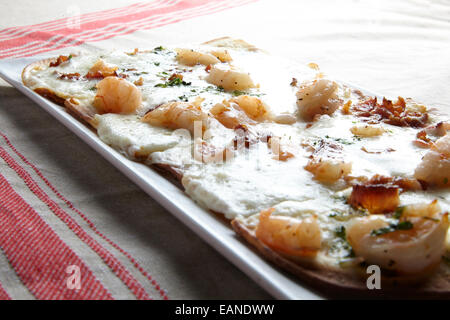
[(203, 223)]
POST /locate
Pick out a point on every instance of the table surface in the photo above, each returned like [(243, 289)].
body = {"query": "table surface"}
[(391, 47)]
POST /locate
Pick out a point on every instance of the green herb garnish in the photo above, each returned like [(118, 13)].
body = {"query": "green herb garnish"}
[(340, 140), (340, 232), (398, 212), (172, 83), (160, 48), (404, 225), (183, 98)]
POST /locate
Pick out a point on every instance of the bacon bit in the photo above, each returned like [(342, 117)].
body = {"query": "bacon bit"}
[(346, 107), (294, 82), (60, 60), (405, 184), (122, 75), (422, 135), (176, 76), (438, 130), (377, 151), (422, 144), (94, 75), (208, 68), (392, 113), (69, 76), (139, 82)]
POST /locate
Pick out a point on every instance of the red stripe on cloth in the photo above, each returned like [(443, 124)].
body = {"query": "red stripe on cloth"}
[(155, 284), (33, 39), (3, 294), (39, 257), (109, 259)]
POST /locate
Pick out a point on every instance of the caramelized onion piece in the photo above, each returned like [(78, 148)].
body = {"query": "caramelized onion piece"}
[(377, 198)]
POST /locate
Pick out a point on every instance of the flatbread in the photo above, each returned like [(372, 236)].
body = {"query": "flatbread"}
[(205, 186)]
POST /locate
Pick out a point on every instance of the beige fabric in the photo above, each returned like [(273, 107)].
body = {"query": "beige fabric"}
[(391, 47)]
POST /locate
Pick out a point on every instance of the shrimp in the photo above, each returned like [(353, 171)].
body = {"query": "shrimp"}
[(415, 247), (435, 166), (230, 78), (327, 164), (230, 115), (292, 236), (329, 170), (115, 95), (177, 115), (367, 131), (243, 110), (101, 70), (191, 58), (317, 97), (254, 108), (222, 55)]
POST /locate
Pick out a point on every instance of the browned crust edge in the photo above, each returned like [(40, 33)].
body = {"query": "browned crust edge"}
[(73, 106), (228, 42), (353, 285)]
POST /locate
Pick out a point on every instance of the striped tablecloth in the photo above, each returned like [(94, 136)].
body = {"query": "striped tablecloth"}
[(65, 212)]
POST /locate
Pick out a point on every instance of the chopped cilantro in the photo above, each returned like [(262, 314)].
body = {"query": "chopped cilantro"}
[(172, 83), (340, 140), (340, 232), (162, 74), (398, 212), (381, 231), (156, 64), (404, 225), (238, 93), (183, 98), (160, 48), (214, 88)]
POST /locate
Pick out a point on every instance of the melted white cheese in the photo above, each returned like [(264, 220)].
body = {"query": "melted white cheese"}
[(133, 137), (252, 180)]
